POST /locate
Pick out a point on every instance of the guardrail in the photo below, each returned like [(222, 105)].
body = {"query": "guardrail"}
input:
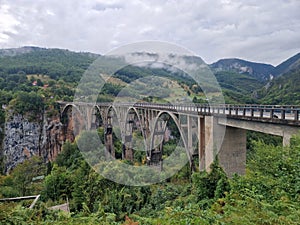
[(281, 112)]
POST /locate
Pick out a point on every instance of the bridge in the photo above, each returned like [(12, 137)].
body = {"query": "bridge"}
[(205, 130)]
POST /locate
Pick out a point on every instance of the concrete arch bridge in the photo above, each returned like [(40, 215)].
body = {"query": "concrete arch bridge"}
[(205, 130)]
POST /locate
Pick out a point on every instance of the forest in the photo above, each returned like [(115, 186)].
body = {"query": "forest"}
[(269, 192)]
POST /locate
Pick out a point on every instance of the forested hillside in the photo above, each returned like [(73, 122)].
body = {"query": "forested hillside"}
[(34, 78), (54, 73), (284, 89), (268, 194)]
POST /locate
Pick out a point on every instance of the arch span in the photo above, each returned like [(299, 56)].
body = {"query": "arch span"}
[(182, 134), (72, 120), (67, 107), (135, 138)]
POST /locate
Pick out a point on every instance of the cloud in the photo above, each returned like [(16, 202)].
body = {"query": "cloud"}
[(267, 31)]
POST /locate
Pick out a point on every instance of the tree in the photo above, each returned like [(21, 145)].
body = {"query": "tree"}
[(58, 185), (24, 173), (210, 186)]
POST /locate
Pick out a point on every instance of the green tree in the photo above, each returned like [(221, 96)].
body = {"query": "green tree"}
[(23, 174), (58, 185), (210, 186)]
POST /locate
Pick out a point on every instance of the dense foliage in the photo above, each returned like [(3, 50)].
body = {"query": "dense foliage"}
[(268, 194), (283, 90), (31, 82)]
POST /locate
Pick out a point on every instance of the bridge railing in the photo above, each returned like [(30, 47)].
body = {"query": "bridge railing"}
[(281, 112), (267, 111)]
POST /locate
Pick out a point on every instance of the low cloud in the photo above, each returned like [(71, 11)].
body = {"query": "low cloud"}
[(264, 31)]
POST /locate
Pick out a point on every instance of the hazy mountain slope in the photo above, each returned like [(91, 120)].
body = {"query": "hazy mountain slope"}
[(260, 71), (292, 63)]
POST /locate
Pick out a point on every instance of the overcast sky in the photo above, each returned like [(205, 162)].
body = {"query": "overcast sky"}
[(255, 30)]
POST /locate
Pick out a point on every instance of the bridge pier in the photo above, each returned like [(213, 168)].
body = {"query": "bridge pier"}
[(285, 131), (230, 149), (232, 155), (109, 145), (286, 139), (201, 143), (209, 154)]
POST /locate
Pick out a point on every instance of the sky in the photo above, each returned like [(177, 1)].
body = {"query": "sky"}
[(255, 30)]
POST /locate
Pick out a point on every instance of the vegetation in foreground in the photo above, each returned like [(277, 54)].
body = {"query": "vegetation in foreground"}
[(269, 193)]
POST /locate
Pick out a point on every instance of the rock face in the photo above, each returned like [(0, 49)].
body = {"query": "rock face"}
[(44, 137), (259, 71), (52, 139), (24, 139)]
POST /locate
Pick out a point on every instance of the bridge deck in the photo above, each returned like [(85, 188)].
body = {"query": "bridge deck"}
[(264, 113), (279, 114)]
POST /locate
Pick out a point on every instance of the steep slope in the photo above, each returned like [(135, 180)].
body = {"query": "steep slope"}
[(259, 71), (292, 63), (238, 88), (285, 88)]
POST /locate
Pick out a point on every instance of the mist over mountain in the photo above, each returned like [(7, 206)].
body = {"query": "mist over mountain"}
[(241, 81)]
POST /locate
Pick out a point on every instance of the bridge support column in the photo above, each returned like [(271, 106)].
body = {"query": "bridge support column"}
[(286, 139), (232, 155), (213, 137), (109, 145), (209, 154), (110, 151), (230, 148), (201, 143), (89, 117)]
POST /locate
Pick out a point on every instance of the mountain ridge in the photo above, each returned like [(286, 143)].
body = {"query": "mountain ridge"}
[(239, 79), (287, 65)]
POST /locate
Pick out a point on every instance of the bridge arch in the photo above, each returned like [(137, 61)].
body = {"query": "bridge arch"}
[(67, 107), (138, 118), (73, 121), (181, 132), (109, 109), (99, 117), (134, 141)]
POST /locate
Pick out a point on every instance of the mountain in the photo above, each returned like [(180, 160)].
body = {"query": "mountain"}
[(292, 63), (32, 49), (55, 63), (259, 71), (241, 81), (238, 88), (285, 87)]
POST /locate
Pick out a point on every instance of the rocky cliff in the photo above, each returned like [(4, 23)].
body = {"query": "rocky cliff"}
[(24, 138)]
